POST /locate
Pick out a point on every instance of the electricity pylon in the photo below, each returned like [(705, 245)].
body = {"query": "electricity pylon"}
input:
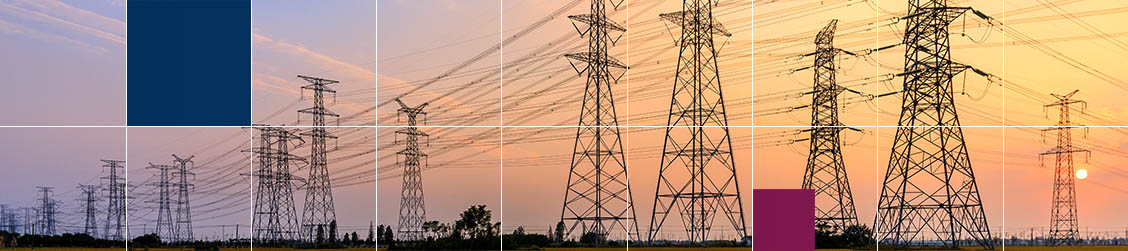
[(412, 211), (115, 204), (697, 175), (826, 171), (89, 199), (165, 226), (1063, 215), (46, 211), (7, 219), (597, 199), (183, 227), (318, 212), (275, 220), (929, 196)]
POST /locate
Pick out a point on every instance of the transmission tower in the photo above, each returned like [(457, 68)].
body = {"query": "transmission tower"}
[(1063, 215), (318, 211), (412, 212), (89, 198), (47, 207), (929, 195), (697, 175), (7, 219), (275, 219), (30, 216), (826, 171), (183, 227), (597, 199), (165, 225), (115, 206)]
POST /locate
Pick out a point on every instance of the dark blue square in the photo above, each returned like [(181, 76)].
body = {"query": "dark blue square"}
[(189, 62)]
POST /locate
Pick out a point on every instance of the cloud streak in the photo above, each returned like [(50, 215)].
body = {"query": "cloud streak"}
[(65, 24)]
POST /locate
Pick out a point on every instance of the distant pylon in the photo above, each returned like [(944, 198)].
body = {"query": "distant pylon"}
[(165, 227), (46, 211), (115, 201), (275, 219), (826, 171), (183, 223), (929, 196), (697, 175), (29, 219), (1063, 215), (90, 199), (11, 220), (597, 199), (7, 219), (413, 211), (318, 212)]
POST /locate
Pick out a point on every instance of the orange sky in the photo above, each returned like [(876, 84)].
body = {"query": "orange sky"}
[(759, 62)]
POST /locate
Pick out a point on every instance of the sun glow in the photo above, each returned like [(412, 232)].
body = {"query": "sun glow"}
[(1082, 173)]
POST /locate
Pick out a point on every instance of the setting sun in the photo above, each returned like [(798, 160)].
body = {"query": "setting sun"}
[(1082, 173)]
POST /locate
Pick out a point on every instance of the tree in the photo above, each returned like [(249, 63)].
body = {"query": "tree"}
[(855, 236), (559, 234), (354, 239), (320, 234), (593, 238), (333, 231), (476, 223), (384, 235), (147, 241)]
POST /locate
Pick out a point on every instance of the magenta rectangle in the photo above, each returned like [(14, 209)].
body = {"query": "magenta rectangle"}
[(783, 219)]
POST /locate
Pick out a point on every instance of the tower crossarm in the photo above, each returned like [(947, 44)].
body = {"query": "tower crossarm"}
[(679, 19)]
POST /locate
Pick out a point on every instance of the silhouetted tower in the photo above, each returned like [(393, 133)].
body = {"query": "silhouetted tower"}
[(11, 220), (597, 199), (7, 219), (275, 219), (413, 211), (90, 199), (29, 218), (929, 195), (826, 171), (183, 227), (46, 211), (115, 204), (697, 175), (318, 211), (165, 226), (1063, 215)]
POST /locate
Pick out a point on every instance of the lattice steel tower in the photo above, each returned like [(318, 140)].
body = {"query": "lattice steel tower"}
[(318, 211), (183, 227), (826, 171), (115, 204), (412, 211), (7, 219), (697, 175), (1063, 215), (165, 226), (929, 195), (275, 219), (598, 199), (89, 199), (47, 207)]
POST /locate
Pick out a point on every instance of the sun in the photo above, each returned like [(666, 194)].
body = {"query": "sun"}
[(1082, 173)]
